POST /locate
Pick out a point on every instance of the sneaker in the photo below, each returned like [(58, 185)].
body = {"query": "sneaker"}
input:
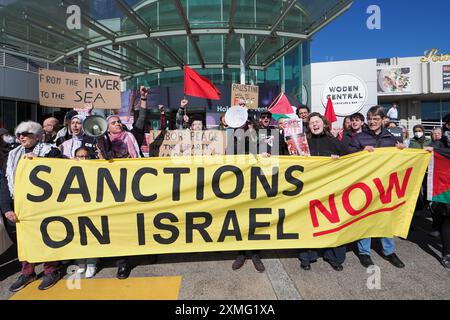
[(446, 262), (257, 263), (22, 281), (239, 262), (81, 268), (49, 280), (394, 260), (91, 271)]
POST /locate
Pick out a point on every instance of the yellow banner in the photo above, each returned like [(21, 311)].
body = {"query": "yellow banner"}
[(71, 209)]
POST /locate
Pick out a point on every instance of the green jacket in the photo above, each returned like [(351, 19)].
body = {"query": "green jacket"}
[(416, 144)]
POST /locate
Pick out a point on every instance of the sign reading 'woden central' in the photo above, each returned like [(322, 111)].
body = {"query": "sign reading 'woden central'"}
[(348, 93)]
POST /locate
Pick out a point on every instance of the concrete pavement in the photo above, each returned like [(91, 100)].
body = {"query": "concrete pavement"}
[(209, 275)]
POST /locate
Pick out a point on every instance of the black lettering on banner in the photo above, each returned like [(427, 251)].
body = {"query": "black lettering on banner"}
[(141, 228), (75, 172), (177, 172), (226, 231), (292, 180), (200, 183), (86, 223), (161, 226), (136, 185), (120, 193), (44, 185), (239, 182), (280, 225), (257, 173), (200, 227), (49, 242), (254, 224)]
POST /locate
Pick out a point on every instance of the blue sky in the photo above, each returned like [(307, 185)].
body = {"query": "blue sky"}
[(408, 28)]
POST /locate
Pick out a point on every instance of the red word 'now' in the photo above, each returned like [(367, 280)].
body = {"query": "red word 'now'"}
[(385, 196)]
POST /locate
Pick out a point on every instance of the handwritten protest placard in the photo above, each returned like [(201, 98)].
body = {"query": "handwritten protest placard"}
[(74, 90)]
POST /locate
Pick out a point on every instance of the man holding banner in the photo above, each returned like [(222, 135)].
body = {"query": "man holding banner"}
[(376, 137)]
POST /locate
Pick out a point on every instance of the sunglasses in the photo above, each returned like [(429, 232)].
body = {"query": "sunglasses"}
[(116, 121), (266, 117), (25, 134)]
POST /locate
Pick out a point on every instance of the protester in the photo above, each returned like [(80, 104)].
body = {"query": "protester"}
[(79, 139), (264, 120), (405, 136), (322, 143), (181, 118), (120, 143), (419, 141), (436, 134), (356, 126), (88, 265), (51, 127), (196, 122), (376, 137), (347, 123), (303, 113), (396, 131), (65, 134), (29, 134), (223, 124)]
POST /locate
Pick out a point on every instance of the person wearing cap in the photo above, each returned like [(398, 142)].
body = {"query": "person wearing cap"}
[(264, 120), (79, 139), (29, 134)]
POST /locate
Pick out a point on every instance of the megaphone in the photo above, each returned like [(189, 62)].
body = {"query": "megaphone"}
[(95, 126)]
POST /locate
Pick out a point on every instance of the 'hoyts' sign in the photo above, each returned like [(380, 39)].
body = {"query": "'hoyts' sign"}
[(348, 93)]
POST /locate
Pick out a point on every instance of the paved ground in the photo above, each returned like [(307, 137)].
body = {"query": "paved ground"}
[(209, 275)]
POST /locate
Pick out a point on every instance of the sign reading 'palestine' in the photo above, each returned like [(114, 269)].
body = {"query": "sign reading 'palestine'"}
[(348, 93), (446, 77)]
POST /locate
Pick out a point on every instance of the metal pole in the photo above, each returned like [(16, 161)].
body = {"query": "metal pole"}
[(80, 62), (242, 60)]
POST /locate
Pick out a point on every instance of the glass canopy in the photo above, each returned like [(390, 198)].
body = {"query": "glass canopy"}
[(133, 38)]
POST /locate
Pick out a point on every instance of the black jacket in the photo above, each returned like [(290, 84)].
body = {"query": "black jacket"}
[(326, 146), (369, 138)]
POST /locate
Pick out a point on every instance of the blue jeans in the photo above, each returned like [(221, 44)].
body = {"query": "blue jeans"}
[(387, 243)]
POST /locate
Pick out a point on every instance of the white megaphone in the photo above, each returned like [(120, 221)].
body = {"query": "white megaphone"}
[(95, 126)]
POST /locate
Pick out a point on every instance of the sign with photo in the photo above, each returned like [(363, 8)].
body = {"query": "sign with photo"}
[(446, 77), (394, 80), (348, 93), (295, 138), (247, 92)]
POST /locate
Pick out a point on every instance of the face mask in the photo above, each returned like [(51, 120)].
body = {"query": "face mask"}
[(418, 135), (8, 139)]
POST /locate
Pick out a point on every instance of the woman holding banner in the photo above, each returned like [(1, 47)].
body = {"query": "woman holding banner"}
[(322, 143), (29, 134)]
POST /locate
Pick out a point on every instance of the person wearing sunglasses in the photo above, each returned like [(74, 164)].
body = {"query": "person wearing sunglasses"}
[(29, 135)]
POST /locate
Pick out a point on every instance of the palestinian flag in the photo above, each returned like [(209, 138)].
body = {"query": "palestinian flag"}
[(283, 107), (439, 177)]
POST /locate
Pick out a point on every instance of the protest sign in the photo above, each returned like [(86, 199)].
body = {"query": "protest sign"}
[(97, 208), (74, 90), (247, 92), (188, 142)]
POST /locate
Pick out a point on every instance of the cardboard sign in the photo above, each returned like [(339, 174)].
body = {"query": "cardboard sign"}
[(74, 90), (247, 92), (189, 143)]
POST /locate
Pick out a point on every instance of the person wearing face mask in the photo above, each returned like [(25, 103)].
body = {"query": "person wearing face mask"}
[(419, 141)]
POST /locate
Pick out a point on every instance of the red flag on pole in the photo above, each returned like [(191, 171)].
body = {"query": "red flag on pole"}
[(329, 112), (199, 86)]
